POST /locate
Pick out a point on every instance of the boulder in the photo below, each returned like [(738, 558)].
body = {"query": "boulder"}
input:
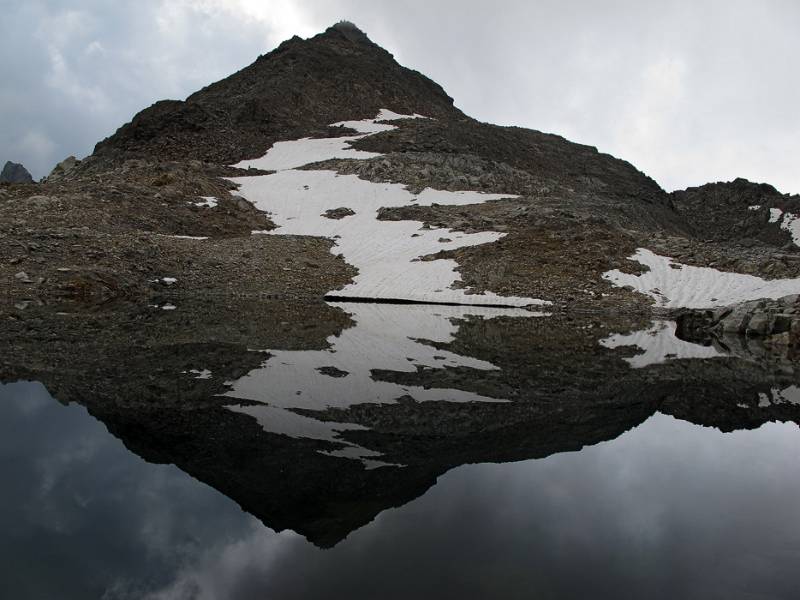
[(338, 213), (763, 319), (63, 168), (760, 324)]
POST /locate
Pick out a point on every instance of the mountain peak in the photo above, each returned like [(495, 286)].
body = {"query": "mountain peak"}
[(349, 30), (342, 31), (295, 91)]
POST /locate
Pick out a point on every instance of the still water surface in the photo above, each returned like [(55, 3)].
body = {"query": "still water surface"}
[(668, 509)]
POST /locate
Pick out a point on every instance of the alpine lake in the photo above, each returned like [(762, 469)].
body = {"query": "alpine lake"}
[(248, 449)]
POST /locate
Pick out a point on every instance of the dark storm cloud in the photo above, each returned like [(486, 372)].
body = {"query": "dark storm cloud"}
[(687, 91)]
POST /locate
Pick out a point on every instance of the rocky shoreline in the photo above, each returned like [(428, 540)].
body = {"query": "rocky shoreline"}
[(774, 323)]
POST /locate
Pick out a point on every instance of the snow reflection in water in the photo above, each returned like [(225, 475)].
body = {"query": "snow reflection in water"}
[(660, 344), (385, 337)]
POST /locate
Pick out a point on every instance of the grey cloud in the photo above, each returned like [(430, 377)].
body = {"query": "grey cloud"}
[(80, 70), (689, 92)]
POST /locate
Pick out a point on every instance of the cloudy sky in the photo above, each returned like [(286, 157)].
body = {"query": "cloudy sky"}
[(688, 90)]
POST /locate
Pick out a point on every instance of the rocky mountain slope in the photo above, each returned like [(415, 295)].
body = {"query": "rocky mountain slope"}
[(548, 222), (294, 91)]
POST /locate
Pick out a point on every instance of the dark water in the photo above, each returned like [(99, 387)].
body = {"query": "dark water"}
[(368, 452), (667, 510)]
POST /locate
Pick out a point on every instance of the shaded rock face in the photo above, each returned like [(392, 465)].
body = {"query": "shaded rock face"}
[(737, 211), (15, 173)]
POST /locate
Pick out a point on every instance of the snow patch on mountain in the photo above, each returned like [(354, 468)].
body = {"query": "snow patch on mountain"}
[(675, 285), (297, 153), (788, 221), (386, 253), (207, 202)]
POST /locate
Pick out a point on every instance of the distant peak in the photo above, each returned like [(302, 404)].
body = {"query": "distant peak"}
[(15, 173)]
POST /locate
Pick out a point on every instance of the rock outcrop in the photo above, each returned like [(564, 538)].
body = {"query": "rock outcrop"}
[(62, 169), (774, 322), (737, 212)]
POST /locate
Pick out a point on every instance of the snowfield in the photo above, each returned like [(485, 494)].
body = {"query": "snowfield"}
[(788, 221), (386, 253), (674, 285), (297, 153), (207, 202)]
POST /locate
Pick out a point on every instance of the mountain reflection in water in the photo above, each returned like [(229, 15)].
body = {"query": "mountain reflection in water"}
[(653, 504), (398, 338)]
